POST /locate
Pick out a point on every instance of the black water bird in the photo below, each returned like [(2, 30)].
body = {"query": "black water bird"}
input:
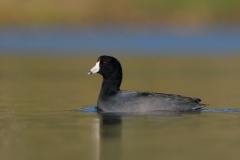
[(112, 99)]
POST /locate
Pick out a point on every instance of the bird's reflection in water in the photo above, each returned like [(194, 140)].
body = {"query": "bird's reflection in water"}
[(107, 131), (107, 137)]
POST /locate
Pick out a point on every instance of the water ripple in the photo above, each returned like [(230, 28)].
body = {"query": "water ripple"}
[(88, 109), (220, 110), (223, 110)]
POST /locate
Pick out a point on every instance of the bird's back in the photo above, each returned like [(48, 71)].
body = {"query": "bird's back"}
[(128, 101)]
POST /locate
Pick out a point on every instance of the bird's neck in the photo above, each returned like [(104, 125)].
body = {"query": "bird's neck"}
[(111, 84)]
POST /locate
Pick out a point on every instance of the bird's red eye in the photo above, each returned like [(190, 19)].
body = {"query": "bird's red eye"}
[(104, 62)]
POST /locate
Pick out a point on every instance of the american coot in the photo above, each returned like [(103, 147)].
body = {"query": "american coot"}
[(112, 99)]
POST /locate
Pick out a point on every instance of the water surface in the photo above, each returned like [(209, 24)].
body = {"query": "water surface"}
[(40, 98), (118, 39)]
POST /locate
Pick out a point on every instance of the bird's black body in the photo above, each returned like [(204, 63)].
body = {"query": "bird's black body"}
[(112, 99)]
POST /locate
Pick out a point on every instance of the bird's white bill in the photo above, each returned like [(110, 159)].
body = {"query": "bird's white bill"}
[(95, 69)]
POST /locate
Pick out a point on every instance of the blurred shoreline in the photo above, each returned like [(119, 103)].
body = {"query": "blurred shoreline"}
[(185, 13), (153, 27)]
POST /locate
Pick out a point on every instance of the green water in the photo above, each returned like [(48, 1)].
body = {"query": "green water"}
[(40, 98)]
